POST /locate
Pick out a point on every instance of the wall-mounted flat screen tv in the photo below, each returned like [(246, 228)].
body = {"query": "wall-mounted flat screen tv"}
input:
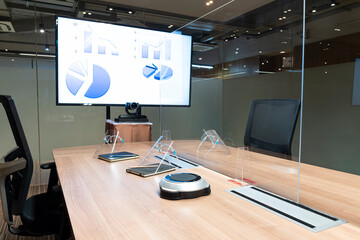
[(107, 64)]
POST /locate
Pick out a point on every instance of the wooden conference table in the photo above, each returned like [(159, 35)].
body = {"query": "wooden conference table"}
[(105, 202)]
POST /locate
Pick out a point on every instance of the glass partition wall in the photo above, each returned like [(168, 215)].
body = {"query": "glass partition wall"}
[(241, 52), (331, 99), (246, 56)]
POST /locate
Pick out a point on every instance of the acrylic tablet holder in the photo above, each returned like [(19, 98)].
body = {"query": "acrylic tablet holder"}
[(110, 144)]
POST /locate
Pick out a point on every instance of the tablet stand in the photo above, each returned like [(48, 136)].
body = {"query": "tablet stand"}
[(111, 144), (159, 147), (210, 141)]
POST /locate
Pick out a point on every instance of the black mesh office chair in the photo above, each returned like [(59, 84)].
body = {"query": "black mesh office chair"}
[(271, 124), (41, 214)]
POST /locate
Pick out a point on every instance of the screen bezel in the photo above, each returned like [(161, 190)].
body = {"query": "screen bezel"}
[(112, 104)]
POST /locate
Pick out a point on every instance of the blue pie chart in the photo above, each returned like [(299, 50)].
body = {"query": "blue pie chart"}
[(163, 73), (77, 74)]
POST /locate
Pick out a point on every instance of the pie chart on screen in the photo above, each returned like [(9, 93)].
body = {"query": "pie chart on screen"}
[(78, 73), (163, 73)]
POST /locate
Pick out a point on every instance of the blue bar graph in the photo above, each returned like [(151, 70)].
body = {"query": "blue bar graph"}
[(156, 54), (101, 49), (168, 49), (145, 51), (87, 42)]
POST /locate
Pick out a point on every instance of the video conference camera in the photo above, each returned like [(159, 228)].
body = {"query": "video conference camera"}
[(133, 110), (134, 107)]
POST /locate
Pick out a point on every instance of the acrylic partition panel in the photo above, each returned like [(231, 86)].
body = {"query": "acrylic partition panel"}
[(241, 47), (331, 102), (250, 57)]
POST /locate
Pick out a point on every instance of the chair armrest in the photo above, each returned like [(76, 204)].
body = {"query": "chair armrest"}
[(53, 178), (6, 169), (49, 165)]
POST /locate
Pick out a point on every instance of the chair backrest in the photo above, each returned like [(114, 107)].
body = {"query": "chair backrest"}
[(271, 124), (16, 185)]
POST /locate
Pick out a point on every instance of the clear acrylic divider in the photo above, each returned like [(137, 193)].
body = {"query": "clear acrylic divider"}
[(227, 86), (242, 170)]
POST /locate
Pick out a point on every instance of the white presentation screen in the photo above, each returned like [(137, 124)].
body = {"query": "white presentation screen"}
[(106, 64)]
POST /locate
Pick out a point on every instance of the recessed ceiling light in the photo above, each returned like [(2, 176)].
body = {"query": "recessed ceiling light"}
[(209, 3), (314, 10), (247, 31), (281, 30), (270, 29), (289, 10), (283, 42), (89, 13), (236, 52), (284, 17), (237, 48), (244, 66), (200, 58), (170, 26), (110, 9), (280, 18), (41, 27), (84, 13), (279, 69), (282, 51), (6, 50), (333, 3), (285, 11), (260, 51), (130, 12), (325, 63), (259, 32), (337, 29)]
